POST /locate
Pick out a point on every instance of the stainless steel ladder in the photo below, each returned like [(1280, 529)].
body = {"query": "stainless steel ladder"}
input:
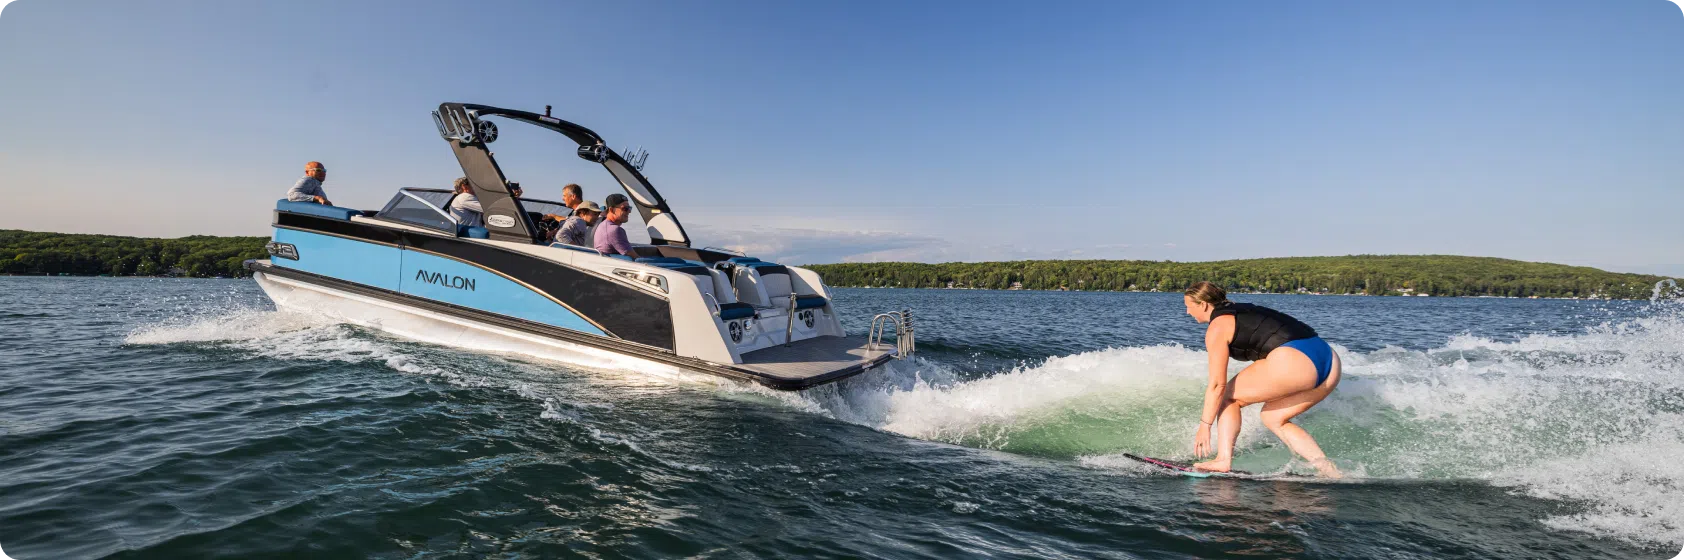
[(905, 340)]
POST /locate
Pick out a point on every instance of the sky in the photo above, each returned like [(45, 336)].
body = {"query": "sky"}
[(811, 132)]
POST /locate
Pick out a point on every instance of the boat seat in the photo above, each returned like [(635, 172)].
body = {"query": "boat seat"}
[(735, 310), (761, 284), (809, 302), (472, 232), (336, 212), (709, 282)]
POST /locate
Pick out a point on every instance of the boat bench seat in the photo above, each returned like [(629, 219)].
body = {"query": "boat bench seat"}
[(809, 302), (709, 281), (767, 285), (735, 310), (336, 212)]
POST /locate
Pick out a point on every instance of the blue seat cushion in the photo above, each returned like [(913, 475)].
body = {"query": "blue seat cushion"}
[(475, 232), (313, 209), (621, 257), (742, 260), (808, 302), (739, 310)]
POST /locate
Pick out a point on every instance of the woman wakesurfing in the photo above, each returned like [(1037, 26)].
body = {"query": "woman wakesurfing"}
[(1292, 370)]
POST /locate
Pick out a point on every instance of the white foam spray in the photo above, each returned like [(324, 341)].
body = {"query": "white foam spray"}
[(1595, 418)]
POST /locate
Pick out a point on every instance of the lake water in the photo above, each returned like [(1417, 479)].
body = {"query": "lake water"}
[(187, 418)]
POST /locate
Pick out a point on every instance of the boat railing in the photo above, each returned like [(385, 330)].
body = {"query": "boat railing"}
[(905, 339)]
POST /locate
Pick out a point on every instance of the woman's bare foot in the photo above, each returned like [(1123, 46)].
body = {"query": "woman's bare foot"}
[(1214, 465), (1326, 469)]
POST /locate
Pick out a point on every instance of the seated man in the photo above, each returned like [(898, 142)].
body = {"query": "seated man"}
[(309, 189), (571, 196), (465, 206), (610, 237), (578, 226)]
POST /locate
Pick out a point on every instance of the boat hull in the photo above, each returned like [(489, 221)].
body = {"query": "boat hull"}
[(452, 325)]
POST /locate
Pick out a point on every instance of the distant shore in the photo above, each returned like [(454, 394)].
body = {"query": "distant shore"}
[(1374, 275), (27, 253), (1178, 292)]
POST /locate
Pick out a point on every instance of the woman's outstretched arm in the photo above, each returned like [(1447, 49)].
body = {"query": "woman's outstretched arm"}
[(1217, 337)]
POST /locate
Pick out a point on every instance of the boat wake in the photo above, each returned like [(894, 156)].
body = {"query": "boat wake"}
[(283, 336), (1595, 418)]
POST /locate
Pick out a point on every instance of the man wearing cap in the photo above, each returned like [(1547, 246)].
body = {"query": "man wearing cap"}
[(309, 189), (576, 230), (610, 237)]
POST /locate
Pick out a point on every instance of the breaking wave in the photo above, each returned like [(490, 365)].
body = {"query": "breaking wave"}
[(1595, 418)]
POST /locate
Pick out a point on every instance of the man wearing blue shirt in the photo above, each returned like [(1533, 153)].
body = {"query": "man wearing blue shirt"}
[(309, 189)]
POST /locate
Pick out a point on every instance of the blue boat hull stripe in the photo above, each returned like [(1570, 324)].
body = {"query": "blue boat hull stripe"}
[(609, 305)]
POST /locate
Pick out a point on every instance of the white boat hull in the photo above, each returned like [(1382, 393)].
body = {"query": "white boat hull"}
[(435, 328)]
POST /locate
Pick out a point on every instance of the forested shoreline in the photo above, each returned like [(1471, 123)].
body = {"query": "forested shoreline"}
[(200, 256), (203, 256), (1436, 275)]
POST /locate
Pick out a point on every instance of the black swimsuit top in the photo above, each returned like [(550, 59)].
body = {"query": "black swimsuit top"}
[(1259, 330)]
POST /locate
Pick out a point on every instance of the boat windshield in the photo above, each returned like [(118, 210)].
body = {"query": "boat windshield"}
[(422, 207), (436, 197), (543, 207)]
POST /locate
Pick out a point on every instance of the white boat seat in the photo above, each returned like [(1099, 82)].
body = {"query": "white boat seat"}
[(769, 285)]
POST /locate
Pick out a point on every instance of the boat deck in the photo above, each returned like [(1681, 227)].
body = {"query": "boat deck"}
[(815, 360)]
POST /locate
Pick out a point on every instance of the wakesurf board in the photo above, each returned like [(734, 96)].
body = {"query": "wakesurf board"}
[(1186, 469)]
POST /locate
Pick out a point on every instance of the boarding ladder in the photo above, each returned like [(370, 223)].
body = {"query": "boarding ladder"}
[(905, 341)]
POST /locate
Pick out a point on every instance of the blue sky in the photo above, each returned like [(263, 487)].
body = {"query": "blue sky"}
[(932, 131)]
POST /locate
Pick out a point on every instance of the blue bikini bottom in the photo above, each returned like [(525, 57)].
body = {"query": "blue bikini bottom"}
[(1319, 352)]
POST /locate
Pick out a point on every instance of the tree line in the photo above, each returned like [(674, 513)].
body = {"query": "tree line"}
[(27, 252), (1437, 275), (204, 256)]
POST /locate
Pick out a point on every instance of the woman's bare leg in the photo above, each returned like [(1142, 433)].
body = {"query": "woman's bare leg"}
[(1277, 415), (1285, 375)]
